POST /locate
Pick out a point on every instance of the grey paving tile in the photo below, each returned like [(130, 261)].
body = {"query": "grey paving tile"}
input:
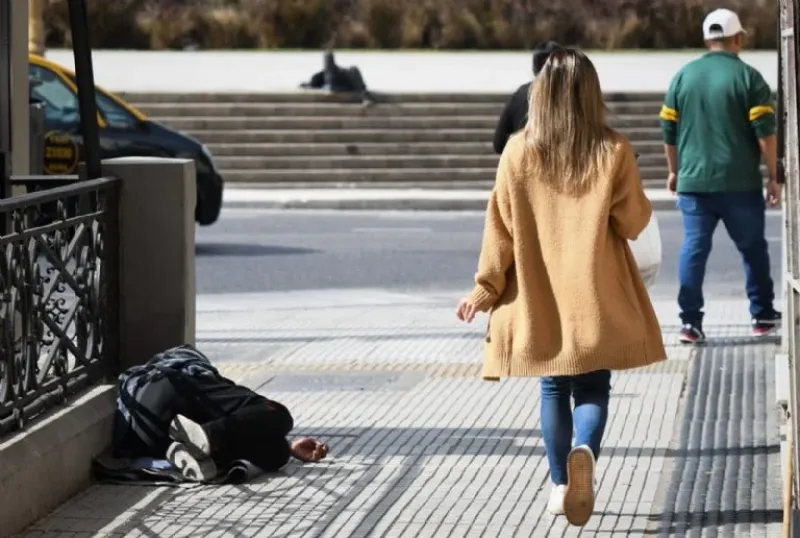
[(444, 454)]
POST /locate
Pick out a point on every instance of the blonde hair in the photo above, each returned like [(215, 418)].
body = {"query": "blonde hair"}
[(567, 131)]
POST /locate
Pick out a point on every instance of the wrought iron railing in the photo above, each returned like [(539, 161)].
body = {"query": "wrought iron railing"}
[(59, 267)]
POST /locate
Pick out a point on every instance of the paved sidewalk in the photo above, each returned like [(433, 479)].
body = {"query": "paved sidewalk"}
[(423, 448), (384, 71)]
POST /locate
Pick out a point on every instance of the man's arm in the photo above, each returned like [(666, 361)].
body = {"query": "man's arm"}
[(513, 117), (317, 80), (671, 152), (669, 117), (763, 121), (769, 149), (504, 127)]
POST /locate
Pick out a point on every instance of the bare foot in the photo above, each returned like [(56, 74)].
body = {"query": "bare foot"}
[(309, 450)]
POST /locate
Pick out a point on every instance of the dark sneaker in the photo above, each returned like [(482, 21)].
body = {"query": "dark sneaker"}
[(692, 334), (191, 467), (192, 435), (767, 324)]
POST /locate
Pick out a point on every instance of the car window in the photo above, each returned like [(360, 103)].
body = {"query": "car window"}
[(115, 115), (61, 102)]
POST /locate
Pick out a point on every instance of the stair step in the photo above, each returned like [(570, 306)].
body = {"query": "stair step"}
[(488, 160), (312, 96), (361, 122), (378, 148), (315, 139), (306, 136), (354, 149), (370, 175), (479, 160), (166, 109), (377, 185)]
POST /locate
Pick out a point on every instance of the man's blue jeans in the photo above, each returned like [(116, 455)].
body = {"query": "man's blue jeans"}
[(743, 214), (591, 392)]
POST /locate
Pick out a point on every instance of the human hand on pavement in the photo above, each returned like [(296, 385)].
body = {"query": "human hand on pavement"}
[(672, 183), (466, 310), (309, 450), (774, 193)]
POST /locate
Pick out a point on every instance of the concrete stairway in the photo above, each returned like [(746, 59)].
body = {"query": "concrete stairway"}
[(304, 139)]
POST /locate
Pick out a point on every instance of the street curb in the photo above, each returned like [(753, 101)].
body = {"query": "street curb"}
[(387, 205)]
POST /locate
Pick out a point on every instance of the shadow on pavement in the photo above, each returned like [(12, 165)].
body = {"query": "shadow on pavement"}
[(310, 499), (682, 522), (247, 250)]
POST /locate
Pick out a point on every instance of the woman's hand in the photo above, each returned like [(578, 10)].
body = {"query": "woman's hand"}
[(466, 310)]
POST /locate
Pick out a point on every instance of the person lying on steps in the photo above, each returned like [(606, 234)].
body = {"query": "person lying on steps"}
[(340, 79)]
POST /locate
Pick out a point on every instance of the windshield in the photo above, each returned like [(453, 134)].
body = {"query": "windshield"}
[(114, 113)]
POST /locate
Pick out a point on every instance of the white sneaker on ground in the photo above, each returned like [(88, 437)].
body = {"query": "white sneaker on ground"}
[(192, 468), (556, 503), (191, 435), (579, 494)]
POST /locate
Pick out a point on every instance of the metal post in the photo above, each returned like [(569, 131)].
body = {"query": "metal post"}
[(781, 112), (85, 81), (5, 100)]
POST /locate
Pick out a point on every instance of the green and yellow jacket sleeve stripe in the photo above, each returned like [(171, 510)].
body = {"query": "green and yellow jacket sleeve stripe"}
[(762, 108), (669, 115)]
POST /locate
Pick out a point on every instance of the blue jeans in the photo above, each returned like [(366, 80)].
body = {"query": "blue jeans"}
[(743, 214), (591, 392)]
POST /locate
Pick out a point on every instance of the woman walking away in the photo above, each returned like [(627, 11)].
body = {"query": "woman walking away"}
[(566, 298)]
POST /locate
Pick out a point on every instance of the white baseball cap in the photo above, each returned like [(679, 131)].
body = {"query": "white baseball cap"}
[(722, 23)]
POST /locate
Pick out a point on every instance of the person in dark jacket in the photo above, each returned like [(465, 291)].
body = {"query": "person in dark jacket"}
[(235, 423), (337, 79), (252, 428), (180, 405), (515, 113)]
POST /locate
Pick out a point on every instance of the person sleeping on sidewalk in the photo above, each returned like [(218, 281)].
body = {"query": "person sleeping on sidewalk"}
[(178, 405)]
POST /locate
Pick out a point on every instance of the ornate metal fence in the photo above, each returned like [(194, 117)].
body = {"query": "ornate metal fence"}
[(60, 300)]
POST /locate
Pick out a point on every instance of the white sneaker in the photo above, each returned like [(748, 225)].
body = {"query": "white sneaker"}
[(556, 503), (191, 435), (579, 494), (192, 468)]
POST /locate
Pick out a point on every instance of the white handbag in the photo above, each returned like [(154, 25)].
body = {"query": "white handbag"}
[(646, 250)]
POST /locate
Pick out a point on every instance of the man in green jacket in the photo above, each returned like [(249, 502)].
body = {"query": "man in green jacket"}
[(718, 120)]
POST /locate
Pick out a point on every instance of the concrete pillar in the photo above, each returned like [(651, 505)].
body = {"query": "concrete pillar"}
[(36, 28), (20, 111), (157, 269)]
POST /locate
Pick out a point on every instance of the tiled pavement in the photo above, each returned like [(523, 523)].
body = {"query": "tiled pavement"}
[(421, 447)]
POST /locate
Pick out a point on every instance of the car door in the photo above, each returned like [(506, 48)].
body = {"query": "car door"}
[(63, 145), (121, 133), (125, 133)]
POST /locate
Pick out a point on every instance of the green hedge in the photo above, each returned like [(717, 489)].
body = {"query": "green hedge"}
[(415, 24)]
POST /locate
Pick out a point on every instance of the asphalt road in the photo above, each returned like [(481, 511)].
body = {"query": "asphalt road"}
[(261, 250)]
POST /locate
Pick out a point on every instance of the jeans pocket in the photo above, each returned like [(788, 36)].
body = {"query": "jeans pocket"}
[(687, 204)]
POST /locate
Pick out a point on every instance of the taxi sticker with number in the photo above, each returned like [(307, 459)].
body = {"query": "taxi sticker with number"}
[(60, 153)]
